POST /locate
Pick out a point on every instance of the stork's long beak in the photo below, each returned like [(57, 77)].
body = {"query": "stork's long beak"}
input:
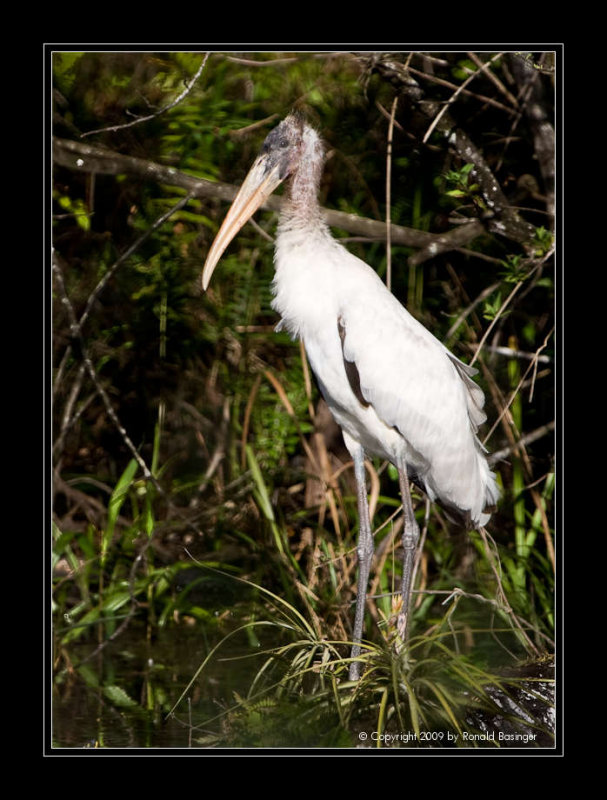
[(263, 178)]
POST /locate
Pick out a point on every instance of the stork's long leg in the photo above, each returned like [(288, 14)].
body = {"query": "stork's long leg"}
[(365, 556), (410, 542)]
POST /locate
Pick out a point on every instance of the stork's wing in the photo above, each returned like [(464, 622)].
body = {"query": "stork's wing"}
[(475, 399), (417, 386), (412, 381)]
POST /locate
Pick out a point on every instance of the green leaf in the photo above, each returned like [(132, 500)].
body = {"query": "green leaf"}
[(261, 490), (82, 626), (89, 676), (117, 696), (117, 499), (116, 600)]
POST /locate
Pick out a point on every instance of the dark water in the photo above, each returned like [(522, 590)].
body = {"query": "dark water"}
[(122, 697)]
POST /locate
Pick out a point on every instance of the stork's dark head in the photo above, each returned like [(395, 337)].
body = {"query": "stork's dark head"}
[(281, 153), (282, 148)]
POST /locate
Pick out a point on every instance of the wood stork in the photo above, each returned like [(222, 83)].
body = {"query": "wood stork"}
[(393, 388)]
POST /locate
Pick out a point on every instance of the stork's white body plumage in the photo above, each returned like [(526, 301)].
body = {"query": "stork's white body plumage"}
[(421, 405), (394, 389)]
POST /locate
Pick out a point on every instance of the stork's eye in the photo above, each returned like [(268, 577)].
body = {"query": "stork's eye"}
[(275, 140)]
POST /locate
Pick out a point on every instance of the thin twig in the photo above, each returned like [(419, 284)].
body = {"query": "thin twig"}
[(469, 309), (501, 310), (219, 453), (539, 504), (536, 360), (448, 85), (385, 113), (532, 367), (247, 419), (389, 196), (77, 334), (236, 133), (307, 379), (251, 62), (75, 391), (533, 436), (129, 252), (172, 104), (509, 352), (70, 420), (503, 601), (291, 412), (458, 91), (495, 80)]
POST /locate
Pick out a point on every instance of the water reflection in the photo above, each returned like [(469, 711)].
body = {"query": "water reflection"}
[(121, 698)]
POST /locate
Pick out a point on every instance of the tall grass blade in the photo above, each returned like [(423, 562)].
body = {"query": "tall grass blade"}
[(117, 499)]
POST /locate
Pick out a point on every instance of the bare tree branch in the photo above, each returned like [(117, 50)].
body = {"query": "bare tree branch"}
[(529, 82), (89, 158), (501, 218)]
